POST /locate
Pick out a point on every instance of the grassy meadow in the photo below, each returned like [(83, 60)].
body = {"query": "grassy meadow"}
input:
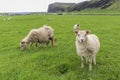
[(60, 62)]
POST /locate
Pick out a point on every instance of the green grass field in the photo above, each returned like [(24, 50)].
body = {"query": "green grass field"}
[(62, 61)]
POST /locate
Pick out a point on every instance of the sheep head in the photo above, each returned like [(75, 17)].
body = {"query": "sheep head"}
[(23, 45), (82, 35)]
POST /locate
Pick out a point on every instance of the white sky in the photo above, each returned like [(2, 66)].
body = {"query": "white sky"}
[(29, 5)]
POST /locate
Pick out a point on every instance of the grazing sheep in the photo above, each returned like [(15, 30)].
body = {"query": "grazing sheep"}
[(87, 46), (49, 19), (9, 18), (41, 35)]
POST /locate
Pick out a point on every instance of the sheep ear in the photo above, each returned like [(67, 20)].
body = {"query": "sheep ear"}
[(87, 31), (78, 25), (22, 42), (55, 39), (76, 32)]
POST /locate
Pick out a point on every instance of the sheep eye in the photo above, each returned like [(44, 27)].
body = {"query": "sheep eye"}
[(78, 34)]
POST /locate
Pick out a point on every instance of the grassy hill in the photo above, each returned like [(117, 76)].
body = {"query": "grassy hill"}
[(61, 7), (115, 6), (60, 62), (101, 5)]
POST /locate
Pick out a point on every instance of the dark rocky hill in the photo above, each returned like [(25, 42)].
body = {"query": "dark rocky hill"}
[(69, 7), (59, 7)]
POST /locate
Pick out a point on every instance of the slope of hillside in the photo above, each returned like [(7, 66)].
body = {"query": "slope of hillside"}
[(115, 6), (92, 4), (62, 7)]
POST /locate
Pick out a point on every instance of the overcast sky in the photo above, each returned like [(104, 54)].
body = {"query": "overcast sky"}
[(29, 5)]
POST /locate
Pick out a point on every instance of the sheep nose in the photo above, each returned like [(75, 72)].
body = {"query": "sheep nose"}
[(82, 40)]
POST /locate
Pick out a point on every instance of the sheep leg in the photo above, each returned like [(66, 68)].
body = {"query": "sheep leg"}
[(86, 59), (52, 40), (82, 60), (31, 44), (94, 59), (47, 43), (36, 44), (90, 63)]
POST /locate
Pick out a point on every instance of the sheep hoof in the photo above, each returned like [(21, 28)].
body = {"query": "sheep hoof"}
[(90, 68), (54, 45), (82, 66)]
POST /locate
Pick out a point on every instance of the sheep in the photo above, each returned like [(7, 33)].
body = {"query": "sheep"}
[(46, 34), (32, 37), (49, 19), (41, 35), (87, 45), (9, 18), (76, 27)]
